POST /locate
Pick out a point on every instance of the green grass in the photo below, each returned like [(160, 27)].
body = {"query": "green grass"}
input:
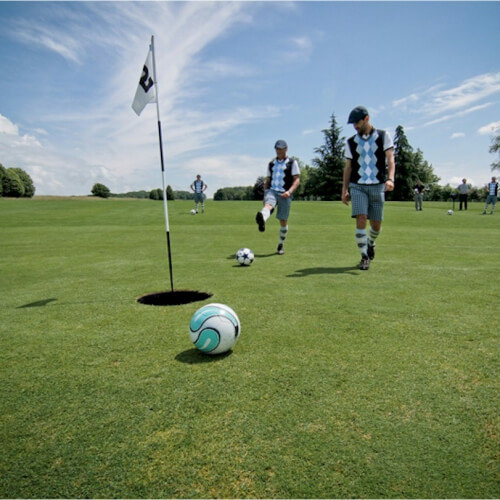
[(344, 383)]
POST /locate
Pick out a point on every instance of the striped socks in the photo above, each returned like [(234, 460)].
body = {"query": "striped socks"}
[(362, 241), (373, 236)]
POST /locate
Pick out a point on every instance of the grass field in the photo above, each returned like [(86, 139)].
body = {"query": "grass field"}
[(344, 383)]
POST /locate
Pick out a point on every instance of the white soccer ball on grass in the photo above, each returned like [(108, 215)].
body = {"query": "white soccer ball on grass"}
[(214, 328), (245, 256)]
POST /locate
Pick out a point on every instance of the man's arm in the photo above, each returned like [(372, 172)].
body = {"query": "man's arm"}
[(293, 187), (391, 169), (346, 178)]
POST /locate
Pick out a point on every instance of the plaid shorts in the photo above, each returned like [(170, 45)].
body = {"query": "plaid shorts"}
[(368, 199), (273, 198)]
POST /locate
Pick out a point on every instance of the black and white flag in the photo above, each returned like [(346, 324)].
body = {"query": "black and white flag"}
[(146, 91)]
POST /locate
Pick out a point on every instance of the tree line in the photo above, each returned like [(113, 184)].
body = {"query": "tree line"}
[(323, 180), (320, 181)]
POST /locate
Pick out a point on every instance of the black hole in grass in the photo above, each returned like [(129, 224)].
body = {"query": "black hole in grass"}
[(172, 298)]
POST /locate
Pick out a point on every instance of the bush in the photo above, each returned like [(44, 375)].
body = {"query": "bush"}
[(12, 184), (100, 190), (29, 187)]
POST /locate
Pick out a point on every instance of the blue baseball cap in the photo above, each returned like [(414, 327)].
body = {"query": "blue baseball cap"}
[(358, 113), (281, 144)]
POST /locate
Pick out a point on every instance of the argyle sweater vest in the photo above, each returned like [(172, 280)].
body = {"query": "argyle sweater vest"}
[(368, 158), (281, 179)]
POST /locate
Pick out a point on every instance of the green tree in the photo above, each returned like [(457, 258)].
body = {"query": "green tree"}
[(29, 187), (330, 164), (404, 158), (100, 190), (3, 173), (258, 188), (12, 184), (156, 194), (495, 148)]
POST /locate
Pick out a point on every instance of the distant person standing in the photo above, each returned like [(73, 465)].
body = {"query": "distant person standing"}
[(282, 179), (369, 154), (198, 186), (463, 193), (492, 188), (418, 195)]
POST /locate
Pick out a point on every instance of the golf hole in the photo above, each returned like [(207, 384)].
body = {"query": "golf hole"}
[(172, 298)]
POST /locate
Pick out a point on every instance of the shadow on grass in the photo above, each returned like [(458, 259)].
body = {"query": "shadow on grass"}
[(194, 356), (38, 303), (300, 273), (257, 255)]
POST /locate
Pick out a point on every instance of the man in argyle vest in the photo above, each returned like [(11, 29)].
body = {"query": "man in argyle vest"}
[(283, 178), (369, 154)]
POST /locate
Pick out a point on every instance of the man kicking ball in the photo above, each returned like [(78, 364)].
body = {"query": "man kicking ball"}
[(368, 154), (283, 178)]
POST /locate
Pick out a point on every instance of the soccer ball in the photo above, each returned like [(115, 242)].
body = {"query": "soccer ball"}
[(192, 211), (214, 328), (244, 256), (450, 212)]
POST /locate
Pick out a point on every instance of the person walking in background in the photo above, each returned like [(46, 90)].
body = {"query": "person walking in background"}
[(418, 196), (282, 179), (463, 194), (198, 186), (492, 189), (368, 154)]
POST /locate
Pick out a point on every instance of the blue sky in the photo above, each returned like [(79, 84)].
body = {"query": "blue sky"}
[(234, 77)]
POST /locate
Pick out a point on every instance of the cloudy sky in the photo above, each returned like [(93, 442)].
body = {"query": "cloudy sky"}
[(235, 76)]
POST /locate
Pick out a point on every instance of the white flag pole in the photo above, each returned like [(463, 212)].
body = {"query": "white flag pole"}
[(165, 207)]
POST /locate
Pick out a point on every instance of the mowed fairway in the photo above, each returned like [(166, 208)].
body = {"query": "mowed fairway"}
[(344, 383)]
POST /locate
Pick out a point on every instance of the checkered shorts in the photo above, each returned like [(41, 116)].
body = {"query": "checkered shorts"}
[(368, 199), (273, 198)]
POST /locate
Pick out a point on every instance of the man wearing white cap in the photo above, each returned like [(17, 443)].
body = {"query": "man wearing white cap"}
[(282, 179), (369, 157)]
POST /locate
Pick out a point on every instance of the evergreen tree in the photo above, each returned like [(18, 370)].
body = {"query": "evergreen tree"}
[(330, 164), (403, 157)]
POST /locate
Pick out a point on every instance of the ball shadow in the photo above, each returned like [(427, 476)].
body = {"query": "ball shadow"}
[(195, 356)]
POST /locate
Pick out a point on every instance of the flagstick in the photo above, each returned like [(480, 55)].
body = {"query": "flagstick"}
[(165, 208)]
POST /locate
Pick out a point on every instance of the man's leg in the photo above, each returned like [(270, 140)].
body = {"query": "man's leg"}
[(283, 233), (375, 230)]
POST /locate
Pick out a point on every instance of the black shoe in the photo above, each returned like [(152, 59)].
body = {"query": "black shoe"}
[(364, 264), (259, 218), (371, 252), (280, 249)]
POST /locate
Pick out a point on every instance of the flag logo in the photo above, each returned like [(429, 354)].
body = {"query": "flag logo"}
[(146, 91)]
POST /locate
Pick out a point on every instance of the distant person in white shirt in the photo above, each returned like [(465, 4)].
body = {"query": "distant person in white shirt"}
[(283, 178), (463, 193)]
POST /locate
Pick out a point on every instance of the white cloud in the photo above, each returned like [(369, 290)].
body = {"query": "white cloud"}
[(7, 127), (106, 142), (457, 135), (227, 170), (437, 105), (467, 93), (491, 128)]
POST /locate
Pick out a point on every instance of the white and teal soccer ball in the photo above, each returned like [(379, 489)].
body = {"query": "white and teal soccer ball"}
[(450, 212), (244, 256), (192, 211), (214, 328)]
